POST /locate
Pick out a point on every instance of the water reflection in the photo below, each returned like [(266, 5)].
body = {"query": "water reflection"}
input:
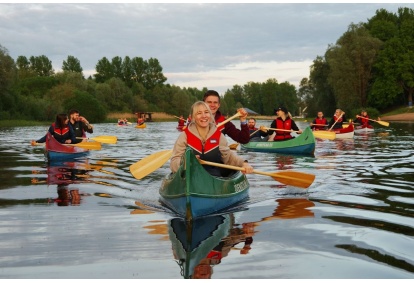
[(200, 244)]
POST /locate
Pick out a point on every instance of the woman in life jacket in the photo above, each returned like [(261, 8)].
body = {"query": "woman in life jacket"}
[(284, 124), (207, 142), (60, 130)]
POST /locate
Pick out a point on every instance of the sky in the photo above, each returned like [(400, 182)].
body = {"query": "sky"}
[(212, 45)]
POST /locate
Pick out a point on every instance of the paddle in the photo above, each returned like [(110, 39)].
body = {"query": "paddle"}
[(154, 161), (102, 139), (318, 134), (386, 124), (235, 145), (180, 118), (336, 121), (291, 178), (85, 145)]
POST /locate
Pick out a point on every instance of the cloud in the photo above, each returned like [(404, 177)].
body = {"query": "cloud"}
[(212, 45)]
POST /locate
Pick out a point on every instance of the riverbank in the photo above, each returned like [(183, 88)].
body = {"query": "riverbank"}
[(407, 115)]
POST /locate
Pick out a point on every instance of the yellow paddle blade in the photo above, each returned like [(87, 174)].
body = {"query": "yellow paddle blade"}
[(150, 163), (292, 178), (386, 124), (324, 135), (233, 146), (105, 139), (87, 145), (102, 139)]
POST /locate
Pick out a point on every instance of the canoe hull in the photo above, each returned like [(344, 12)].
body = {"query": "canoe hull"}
[(57, 151), (304, 144), (192, 192), (142, 126), (345, 133), (361, 129)]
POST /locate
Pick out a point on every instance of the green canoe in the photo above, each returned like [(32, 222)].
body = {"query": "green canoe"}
[(303, 144), (192, 192)]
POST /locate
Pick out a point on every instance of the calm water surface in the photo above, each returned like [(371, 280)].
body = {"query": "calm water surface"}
[(92, 219)]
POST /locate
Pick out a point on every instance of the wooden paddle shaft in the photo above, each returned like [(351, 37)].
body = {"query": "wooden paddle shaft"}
[(231, 118), (367, 118), (336, 120), (180, 118), (282, 130)]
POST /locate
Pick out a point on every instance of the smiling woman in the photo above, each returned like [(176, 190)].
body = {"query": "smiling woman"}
[(207, 142)]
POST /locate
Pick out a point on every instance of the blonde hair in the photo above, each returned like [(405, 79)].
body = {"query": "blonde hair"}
[(194, 107)]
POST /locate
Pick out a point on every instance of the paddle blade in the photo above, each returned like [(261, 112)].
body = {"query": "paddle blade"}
[(324, 135), (149, 164), (233, 146), (386, 124), (87, 145), (296, 179), (105, 139)]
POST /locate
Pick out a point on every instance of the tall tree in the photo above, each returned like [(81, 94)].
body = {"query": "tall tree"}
[(394, 70), (41, 65), (103, 70), (153, 74), (351, 61), (322, 97), (72, 64), (7, 70)]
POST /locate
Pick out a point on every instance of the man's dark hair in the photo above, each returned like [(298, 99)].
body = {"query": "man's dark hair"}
[(72, 111), (211, 93)]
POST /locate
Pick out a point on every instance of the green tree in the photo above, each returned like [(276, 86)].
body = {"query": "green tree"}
[(351, 61), (103, 70), (23, 67), (7, 71), (153, 74), (394, 70), (321, 96), (139, 67), (41, 66), (72, 64), (87, 105)]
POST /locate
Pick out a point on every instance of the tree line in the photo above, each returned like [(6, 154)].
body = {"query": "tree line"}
[(370, 66)]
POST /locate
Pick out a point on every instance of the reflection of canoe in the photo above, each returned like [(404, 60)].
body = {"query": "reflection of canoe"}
[(192, 192), (363, 129), (345, 133), (302, 144), (142, 126), (193, 240), (54, 150), (64, 173)]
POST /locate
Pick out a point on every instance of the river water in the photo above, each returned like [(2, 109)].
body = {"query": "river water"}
[(92, 219)]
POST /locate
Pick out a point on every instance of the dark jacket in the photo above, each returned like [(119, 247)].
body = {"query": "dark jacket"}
[(240, 136)]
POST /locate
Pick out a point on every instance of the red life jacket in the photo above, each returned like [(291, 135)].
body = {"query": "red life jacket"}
[(364, 121), (321, 121), (218, 120), (61, 134), (285, 125), (208, 151)]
